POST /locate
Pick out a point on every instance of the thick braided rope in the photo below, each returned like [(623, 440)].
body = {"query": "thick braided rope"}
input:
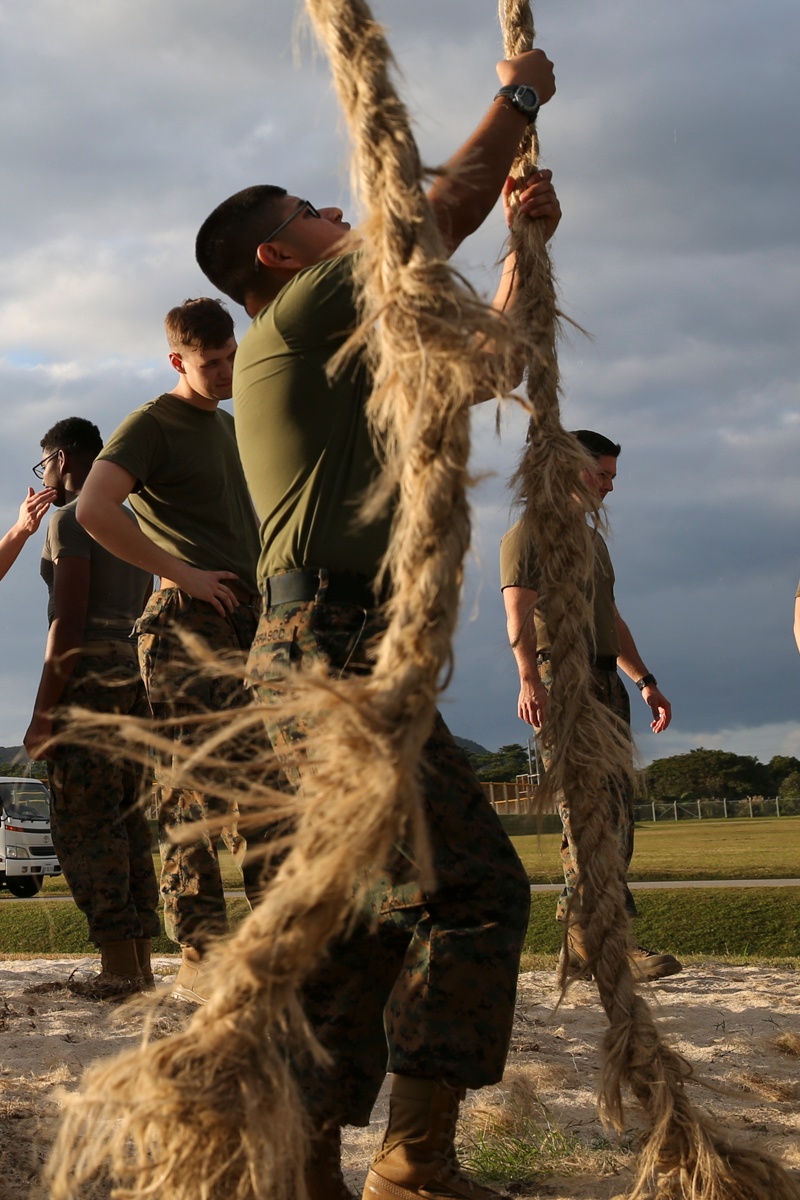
[(685, 1157), (214, 1112)]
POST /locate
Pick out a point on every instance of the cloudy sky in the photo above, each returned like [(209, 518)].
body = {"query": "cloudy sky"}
[(674, 141)]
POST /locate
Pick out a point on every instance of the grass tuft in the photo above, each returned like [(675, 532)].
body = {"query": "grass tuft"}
[(509, 1136), (788, 1043)]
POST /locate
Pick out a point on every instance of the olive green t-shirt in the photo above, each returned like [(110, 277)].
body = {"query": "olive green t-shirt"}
[(191, 497), (306, 450), (521, 569), (117, 590)]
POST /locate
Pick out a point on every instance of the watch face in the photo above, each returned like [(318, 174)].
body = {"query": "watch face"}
[(526, 98)]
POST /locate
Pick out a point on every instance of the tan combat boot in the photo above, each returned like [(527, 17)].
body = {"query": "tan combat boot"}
[(144, 949), (120, 974), (574, 951), (645, 964), (418, 1156), (649, 964), (192, 983), (323, 1175)]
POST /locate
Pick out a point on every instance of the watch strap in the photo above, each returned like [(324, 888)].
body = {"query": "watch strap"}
[(512, 93), (647, 680)]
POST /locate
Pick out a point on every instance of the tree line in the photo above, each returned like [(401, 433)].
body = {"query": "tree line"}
[(698, 775)]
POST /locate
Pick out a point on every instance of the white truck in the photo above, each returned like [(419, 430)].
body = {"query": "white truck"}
[(26, 844)]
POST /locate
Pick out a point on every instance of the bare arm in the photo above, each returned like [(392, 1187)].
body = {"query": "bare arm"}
[(463, 197), (100, 512), (31, 511), (633, 665), (64, 640), (797, 621), (519, 604)]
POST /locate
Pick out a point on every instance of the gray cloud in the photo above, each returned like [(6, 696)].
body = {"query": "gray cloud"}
[(673, 138)]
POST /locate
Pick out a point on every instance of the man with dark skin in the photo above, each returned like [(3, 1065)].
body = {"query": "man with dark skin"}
[(100, 832), (308, 458)]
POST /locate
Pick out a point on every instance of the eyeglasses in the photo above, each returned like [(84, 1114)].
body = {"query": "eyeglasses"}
[(303, 206), (38, 470)]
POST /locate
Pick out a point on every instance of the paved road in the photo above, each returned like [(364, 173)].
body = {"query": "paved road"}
[(556, 887), (687, 883)]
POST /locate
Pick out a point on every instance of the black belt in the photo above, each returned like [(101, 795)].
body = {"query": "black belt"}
[(328, 587), (600, 662)]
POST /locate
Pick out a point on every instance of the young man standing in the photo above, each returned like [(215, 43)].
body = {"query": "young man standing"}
[(613, 647), (99, 829), (308, 458), (176, 459)]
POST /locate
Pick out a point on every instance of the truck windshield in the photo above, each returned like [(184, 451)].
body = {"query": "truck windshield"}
[(25, 801)]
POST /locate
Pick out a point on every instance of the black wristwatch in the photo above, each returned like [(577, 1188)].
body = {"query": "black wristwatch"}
[(523, 97), (647, 680)]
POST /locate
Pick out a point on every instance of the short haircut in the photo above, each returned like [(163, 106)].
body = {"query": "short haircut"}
[(201, 324), (597, 445), (228, 239), (74, 433)]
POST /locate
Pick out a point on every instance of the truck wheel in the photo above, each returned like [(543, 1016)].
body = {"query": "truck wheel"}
[(24, 886)]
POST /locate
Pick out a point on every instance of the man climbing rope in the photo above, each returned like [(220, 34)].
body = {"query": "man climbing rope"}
[(435, 974)]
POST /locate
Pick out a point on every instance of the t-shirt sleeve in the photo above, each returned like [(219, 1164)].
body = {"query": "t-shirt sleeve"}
[(318, 307), (519, 566), (68, 539), (138, 446)]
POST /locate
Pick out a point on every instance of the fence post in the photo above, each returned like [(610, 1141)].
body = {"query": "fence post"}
[(750, 804), (725, 807), (675, 808), (699, 813), (653, 806), (777, 807)]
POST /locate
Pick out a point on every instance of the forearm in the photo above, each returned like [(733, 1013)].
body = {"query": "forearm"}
[(797, 622), (523, 646), (107, 523), (463, 197), (10, 547), (630, 660), (520, 604), (64, 642)]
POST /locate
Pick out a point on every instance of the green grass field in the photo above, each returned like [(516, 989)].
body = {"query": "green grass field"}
[(746, 923), (761, 848)]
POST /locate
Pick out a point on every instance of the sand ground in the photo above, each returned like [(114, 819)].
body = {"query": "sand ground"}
[(738, 1026)]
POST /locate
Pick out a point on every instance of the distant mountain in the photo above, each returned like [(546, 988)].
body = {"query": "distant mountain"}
[(13, 754), (472, 747)]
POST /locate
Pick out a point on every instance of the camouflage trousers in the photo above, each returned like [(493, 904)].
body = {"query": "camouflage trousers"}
[(178, 689), (611, 691), (425, 984), (100, 832)]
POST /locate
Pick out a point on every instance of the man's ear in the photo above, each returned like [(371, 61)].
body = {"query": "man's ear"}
[(273, 257), (177, 362)]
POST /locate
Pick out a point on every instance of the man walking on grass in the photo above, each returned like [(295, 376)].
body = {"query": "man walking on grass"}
[(613, 647)]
